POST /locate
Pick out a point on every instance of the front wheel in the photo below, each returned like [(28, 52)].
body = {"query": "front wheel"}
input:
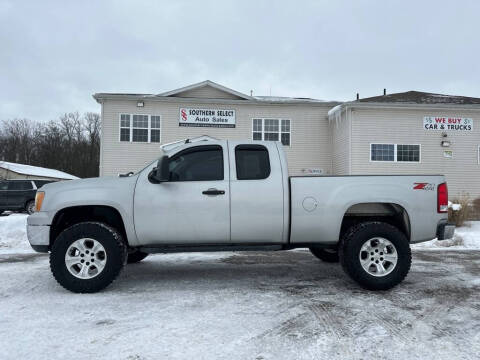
[(87, 257), (376, 255)]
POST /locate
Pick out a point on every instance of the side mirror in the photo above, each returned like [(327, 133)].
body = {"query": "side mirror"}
[(161, 172)]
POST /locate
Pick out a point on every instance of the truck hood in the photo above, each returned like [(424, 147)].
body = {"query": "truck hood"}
[(109, 190), (89, 183)]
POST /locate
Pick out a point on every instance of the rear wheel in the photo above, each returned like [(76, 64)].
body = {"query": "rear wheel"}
[(327, 255), (87, 257), (136, 256), (30, 207), (376, 255)]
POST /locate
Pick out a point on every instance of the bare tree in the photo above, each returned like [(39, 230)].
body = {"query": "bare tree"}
[(70, 143)]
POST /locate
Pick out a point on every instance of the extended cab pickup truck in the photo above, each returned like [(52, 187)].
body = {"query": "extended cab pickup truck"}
[(232, 195)]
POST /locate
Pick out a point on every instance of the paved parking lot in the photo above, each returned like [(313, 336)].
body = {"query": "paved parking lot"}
[(283, 305)]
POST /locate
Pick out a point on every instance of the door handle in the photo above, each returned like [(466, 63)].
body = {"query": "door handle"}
[(213, 192)]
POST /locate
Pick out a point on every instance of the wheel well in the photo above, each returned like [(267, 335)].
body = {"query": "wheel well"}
[(390, 213), (74, 215)]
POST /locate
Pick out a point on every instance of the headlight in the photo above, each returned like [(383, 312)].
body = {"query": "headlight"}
[(39, 200)]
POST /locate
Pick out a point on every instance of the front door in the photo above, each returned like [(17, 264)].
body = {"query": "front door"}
[(193, 207)]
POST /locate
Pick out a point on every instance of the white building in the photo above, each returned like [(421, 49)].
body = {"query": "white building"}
[(404, 133)]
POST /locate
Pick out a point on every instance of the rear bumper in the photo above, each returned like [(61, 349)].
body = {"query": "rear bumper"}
[(445, 231)]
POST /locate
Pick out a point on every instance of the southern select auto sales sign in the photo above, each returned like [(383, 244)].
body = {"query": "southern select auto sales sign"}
[(447, 123), (207, 117)]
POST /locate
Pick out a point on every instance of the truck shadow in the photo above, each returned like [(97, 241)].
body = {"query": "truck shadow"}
[(292, 271)]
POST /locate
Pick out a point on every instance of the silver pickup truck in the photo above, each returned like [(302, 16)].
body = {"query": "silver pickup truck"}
[(235, 196)]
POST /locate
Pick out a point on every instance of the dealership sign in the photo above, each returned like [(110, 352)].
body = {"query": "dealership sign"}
[(207, 117), (446, 123)]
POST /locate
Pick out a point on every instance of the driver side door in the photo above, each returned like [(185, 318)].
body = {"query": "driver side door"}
[(193, 207)]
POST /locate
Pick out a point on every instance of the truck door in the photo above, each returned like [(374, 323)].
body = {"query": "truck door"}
[(193, 207), (256, 193)]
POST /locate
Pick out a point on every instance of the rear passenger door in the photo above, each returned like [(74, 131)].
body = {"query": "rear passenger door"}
[(256, 193)]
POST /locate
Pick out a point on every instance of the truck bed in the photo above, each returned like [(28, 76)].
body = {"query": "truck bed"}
[(319, 204)]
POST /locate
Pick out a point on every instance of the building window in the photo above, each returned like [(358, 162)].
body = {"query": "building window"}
[(382, 152), (395, 152), (124, 127), (139, 128), (155, 129), (271, 130), (408, 153)]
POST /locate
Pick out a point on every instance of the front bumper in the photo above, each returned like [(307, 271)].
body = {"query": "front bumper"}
[(38, 233), (445, 231)]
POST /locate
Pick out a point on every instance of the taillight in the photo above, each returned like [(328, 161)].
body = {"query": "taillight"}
[(442, 198)]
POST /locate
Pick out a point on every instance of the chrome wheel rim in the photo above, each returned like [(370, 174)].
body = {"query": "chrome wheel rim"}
[(378, 256), (85, 258)]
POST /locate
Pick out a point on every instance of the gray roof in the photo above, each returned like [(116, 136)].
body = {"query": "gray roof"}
[(418, 97), (165, 96)]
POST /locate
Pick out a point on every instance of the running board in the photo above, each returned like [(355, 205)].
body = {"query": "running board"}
[(154, 249)]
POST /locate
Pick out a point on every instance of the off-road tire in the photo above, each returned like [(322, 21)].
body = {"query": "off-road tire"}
[(327, 255), (30, 207), (349, 250), (136, 256), (115, 248)]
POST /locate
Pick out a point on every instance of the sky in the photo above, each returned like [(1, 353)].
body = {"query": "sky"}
[(55, 54)]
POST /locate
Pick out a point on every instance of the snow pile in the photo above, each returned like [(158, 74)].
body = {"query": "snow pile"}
[(13, 234), (36, 171), (454, 207), (466, 237)]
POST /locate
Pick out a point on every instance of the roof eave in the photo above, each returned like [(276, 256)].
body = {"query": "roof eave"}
[(99, 97), (366, 105)]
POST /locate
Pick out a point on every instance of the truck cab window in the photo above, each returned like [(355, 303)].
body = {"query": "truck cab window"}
[(252, 162), (202, 163)]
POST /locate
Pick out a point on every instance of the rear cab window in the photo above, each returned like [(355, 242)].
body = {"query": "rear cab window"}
[(252, 162)]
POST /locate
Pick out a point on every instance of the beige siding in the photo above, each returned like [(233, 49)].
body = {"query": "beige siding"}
[(340, 131), (406, 127), (310, 143), (207, 92)]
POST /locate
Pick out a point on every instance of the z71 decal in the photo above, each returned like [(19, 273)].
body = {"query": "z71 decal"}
[(423, 186)]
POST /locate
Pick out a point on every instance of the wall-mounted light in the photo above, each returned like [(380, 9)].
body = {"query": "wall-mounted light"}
[(140, 104), (446, 143)]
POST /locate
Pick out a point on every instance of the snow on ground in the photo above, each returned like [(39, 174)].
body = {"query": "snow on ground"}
[(13, 234), (277, 305), (466, 237)]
